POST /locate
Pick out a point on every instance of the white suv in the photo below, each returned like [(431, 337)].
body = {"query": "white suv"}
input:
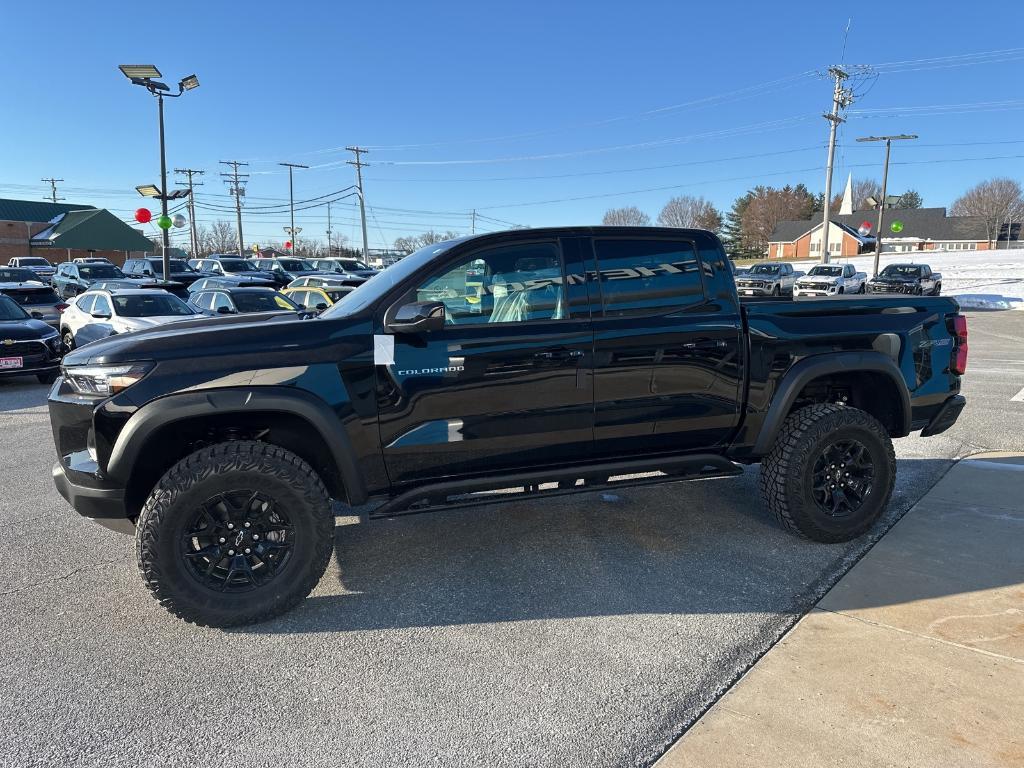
[(830, 280), (98, 314)]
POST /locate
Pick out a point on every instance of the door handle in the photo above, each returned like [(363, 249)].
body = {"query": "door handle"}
[(705, 344), (559, 354)]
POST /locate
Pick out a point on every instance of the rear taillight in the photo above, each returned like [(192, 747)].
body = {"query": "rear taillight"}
[(958, 361), (61, 307)]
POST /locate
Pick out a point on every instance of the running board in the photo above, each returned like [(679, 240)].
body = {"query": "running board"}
[(454, 494)]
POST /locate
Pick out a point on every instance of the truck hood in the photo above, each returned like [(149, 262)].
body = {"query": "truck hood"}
[(186, 339), (830, 279), (23, 330)]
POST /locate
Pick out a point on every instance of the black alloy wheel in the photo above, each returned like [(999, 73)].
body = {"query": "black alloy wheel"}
[(238, 541), (842, 477)]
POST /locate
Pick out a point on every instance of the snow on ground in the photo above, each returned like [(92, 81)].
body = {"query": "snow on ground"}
[(978, 279)]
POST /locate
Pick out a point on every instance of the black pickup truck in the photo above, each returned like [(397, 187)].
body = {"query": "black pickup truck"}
[(545, 361)]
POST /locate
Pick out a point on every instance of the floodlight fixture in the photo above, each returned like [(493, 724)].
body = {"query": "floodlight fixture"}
[(148, 190), (139, 71), (188, 83)]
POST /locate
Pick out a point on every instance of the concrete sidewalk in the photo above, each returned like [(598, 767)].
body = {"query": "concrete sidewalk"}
[(915, 658)]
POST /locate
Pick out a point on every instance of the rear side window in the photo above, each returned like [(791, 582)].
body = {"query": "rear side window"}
[(647, 276)]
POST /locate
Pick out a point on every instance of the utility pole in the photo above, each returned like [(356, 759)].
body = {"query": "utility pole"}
[(329, 254), (358, 163), (885, 180), (190, 172), (472, 226), (53, 189), (841, 98), (291, 202), (236, 184)]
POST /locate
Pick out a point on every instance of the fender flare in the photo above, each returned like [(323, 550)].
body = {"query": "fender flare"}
[(155, 415), (810, 368)]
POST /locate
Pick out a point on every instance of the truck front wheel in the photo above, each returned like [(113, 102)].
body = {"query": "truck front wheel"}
[(235, 533), (830, 474)]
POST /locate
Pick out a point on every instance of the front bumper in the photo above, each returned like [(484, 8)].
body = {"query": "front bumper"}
[(899, 288), (90, 499), (946, 416), (832, 291)]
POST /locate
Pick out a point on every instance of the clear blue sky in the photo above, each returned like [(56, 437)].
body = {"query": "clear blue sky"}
[(538, 113)]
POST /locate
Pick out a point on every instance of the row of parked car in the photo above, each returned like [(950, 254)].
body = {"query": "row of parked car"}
[(47, 310), (823, 280)]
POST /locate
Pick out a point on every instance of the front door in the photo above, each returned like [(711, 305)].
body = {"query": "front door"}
[(506, 383)]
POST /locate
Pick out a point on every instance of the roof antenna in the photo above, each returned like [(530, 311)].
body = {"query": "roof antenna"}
[(846, 36)]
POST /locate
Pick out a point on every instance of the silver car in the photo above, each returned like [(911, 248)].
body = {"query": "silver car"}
[(769, 279)]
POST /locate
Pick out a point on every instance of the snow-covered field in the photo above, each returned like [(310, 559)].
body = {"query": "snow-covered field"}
[(978, 279)]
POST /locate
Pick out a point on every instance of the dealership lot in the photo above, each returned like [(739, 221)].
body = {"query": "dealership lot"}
[(584, 631)]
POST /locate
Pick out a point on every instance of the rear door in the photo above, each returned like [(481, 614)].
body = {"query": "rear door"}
[(506, 383), (667, 355)]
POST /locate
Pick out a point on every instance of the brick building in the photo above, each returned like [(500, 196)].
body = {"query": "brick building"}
[(924, 229), (63, 231)]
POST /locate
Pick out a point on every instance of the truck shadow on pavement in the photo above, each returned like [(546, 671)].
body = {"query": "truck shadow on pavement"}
[(686, 548)]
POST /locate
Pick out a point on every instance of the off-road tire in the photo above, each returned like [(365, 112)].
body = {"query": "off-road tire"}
[(938, 290), (841, 290), (787, 471), (862, 289), (224, 468), (777, 291)]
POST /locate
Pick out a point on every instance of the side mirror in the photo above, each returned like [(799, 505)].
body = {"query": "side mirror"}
[(100, 316), (36, 315), (224, 311), (321, 307), (147, 272), (418, 317)]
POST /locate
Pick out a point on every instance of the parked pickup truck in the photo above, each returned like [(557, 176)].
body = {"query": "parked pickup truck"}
[(532, 362), (830, 280), (917, 279), (768, 280)]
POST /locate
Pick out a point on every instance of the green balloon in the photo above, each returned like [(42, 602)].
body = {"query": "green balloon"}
[(164, 222), (896, 226)]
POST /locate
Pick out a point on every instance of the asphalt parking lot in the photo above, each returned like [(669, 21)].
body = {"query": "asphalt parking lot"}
[(586, 631)]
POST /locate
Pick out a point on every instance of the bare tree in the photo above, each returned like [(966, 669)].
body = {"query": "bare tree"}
[(690, 212), (413, 243), (219, 237), (996, 201), (626, 217), (767, 207)]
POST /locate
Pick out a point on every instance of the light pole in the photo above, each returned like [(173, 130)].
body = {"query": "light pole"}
[(291, 200), (143, 74), (885, 180)]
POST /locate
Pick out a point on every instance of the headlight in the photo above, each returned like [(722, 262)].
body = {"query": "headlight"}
[(104, 380)]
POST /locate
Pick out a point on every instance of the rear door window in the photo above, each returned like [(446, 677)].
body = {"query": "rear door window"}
[(647, 276)]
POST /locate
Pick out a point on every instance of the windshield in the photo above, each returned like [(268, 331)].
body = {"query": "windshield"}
[(35, 262), (16, 275), (901, 270), (295, 265), (765, 269), (237, 265), (264, 301), (99, 271), (11, 311), (352, 264), (150, 305), (177, 265), (826, 271), (382, 282)]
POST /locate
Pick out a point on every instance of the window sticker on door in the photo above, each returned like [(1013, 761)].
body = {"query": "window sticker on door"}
[(383, 349)]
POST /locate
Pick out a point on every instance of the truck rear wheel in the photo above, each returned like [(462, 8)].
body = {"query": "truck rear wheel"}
[(830, 474), (235, 533)]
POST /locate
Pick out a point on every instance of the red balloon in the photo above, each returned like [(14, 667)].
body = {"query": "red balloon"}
[(143, 216), (288, 245)]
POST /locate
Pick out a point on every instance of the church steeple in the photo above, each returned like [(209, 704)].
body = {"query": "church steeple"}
[(847, 205)]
